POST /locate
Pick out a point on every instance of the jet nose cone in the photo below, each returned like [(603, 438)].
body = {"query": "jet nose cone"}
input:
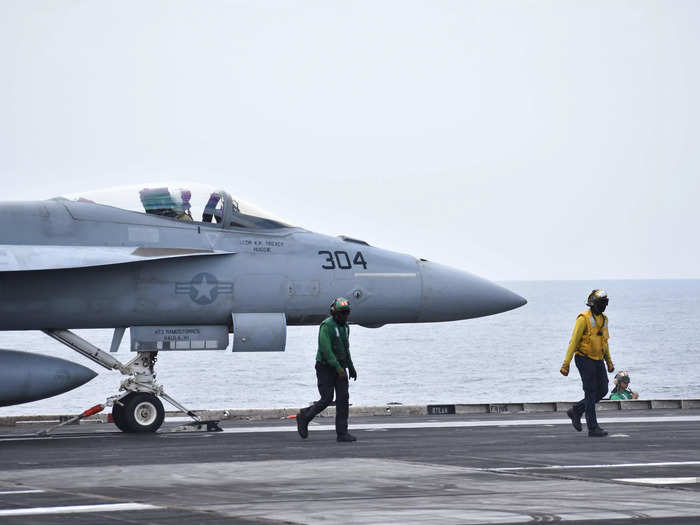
[(449, 294)]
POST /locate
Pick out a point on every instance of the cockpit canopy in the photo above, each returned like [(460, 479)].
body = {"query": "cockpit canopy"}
[(184, 201)]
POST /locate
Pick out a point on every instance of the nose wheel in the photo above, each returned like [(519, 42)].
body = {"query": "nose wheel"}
[(138, 412)]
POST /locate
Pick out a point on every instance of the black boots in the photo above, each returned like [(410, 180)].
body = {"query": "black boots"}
[(302, 425), (303, 429), (575, 420), (576, 423)]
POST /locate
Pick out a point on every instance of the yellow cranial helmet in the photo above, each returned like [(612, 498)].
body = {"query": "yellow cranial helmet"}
[(597, 296)]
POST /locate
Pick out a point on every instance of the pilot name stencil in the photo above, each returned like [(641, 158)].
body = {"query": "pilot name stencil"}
[(260, 246), (204, 288)]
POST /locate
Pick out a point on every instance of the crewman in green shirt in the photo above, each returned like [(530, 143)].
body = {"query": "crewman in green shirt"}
[(333, 364), (621, 391), (589, 343)]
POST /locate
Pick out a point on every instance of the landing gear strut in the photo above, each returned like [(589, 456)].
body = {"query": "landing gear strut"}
[(138, 409)]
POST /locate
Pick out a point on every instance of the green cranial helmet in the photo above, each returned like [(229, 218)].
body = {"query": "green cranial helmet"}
[(341, 304)]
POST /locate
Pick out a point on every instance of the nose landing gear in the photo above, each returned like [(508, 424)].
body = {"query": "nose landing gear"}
[(138, 410)]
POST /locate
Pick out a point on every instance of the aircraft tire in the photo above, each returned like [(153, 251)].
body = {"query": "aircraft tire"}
[(118, 414), (142, 413)]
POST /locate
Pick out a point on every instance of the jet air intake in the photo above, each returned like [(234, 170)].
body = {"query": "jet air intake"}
[(254, 332)]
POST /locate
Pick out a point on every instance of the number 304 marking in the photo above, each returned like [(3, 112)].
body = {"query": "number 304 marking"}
[(341, 259)]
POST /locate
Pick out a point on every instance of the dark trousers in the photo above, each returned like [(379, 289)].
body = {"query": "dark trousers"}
[(595, 386), (328, 381)]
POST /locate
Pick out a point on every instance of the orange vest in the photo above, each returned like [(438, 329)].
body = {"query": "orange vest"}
[(592, 344)]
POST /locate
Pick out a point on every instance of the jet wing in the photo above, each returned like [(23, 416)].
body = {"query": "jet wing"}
[(25, 257)]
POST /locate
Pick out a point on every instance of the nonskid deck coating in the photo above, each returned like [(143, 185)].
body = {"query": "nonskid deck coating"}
[(489, 468)]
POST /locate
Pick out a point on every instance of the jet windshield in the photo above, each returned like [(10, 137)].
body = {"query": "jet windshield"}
[(184, 201)]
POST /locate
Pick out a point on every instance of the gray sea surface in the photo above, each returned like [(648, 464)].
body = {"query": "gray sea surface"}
[(513, 356)]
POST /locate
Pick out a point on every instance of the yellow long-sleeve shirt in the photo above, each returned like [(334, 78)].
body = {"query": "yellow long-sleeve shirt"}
[(579, 329)]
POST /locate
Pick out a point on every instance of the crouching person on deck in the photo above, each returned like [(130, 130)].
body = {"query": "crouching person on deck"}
[(590, 344), (621, 390), (333, 363)]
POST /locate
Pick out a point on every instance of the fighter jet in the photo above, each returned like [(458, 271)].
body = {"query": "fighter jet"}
[(188, 267)]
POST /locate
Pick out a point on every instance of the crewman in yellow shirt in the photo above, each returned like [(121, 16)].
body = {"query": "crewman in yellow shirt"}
[(589, 343)]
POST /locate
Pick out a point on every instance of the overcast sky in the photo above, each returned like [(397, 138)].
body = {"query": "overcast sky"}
[(516, 140)]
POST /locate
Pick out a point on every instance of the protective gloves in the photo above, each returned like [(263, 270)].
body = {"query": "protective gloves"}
[(611, 367), (353, 373), (564, 370)]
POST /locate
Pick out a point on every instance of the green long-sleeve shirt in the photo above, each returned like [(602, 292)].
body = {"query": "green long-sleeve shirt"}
[(334, 345), (621, 396)]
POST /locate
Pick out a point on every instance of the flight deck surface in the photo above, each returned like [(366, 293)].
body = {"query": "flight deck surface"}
[(485, 468)]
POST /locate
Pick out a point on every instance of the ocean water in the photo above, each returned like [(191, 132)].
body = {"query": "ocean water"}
[(513, 356)]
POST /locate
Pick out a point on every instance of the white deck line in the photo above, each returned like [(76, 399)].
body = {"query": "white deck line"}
[(458, 424), (601, 465), (8, 492), (75, 509), (660, 481)]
